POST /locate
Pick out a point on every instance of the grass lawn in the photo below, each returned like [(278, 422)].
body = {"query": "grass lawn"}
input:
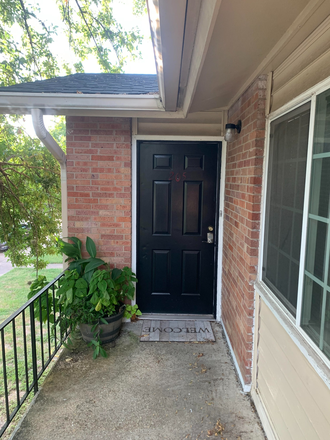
[(57, 258), (14, 288)]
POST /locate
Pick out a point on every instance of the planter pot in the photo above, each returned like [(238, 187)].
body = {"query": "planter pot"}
[(108, 332)]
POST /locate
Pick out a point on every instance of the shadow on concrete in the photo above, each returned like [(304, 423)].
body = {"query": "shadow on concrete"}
[(142, 391)]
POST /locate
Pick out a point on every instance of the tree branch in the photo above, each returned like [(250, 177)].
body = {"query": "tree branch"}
[(88, 27), (23, 165), (27, 27), (107, 33)]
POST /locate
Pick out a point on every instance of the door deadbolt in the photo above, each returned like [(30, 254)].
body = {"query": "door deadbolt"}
[(210, 228), (209, 238)]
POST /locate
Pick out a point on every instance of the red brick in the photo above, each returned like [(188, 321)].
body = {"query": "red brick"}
[(99, 186), (242, 222)]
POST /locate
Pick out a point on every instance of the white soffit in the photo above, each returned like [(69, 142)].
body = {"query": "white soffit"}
[(250, 38), (167, 23)]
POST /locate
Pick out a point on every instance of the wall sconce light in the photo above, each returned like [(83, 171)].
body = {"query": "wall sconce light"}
[(230, 130)]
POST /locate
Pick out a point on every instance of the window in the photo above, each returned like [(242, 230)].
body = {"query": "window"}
[(316, 292), (296, 254), (285, 200)]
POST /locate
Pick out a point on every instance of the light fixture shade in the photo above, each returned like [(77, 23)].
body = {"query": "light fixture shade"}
[(230, 131), (229, 134)]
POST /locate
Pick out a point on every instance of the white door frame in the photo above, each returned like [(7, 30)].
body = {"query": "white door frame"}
[(139, 137)]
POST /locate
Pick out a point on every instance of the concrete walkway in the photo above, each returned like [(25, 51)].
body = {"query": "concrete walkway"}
[(6, 266), (143, 391)]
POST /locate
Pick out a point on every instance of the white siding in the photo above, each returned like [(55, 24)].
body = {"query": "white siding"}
[(305, 67), (296, 399)]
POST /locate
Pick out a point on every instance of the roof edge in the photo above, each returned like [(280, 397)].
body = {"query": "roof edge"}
[(22, 103)]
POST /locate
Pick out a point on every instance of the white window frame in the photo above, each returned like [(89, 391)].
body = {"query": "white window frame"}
[(319, 361)]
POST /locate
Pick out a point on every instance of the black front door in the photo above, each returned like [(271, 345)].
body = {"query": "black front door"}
[(177, 205)]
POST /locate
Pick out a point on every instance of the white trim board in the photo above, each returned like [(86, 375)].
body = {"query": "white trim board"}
[(264, 415), (178, 317), (246, 387), (135, 138)]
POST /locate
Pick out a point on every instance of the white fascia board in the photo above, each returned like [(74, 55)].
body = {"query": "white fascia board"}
[(154, 22), (207, 17), (167, 26), (22, 103)]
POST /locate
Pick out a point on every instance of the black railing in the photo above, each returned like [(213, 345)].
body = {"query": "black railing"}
[(30, 338)]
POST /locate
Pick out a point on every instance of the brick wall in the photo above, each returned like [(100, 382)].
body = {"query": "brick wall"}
[(242, 222), (99, 185)]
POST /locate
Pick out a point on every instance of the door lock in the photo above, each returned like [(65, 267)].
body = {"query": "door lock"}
[(209, 238)]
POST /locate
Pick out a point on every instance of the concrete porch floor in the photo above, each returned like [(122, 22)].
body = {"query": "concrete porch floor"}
[(143, 391)]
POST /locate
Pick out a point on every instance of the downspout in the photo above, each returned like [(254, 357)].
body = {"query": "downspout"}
[(50, 143)]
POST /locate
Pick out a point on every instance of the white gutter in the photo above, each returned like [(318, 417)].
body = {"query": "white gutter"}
[(50, 143), (16, 102)]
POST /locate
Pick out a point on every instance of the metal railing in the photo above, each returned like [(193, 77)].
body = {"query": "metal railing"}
[(29, 340)]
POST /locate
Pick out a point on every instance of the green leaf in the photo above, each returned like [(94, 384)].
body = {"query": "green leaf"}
[(116, 273), (94, 299), (87, 276), (98, 306), (81, 284), (93, 264), (102, 285), (70, 250), (69, 295), (76, 242), (103, 353), (90, 246)]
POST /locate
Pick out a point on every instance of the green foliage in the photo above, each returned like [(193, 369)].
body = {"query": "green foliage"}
[(59, 132), (131, 311), (29, 195), (92, 29), (25, 53), (88, 294), (89, 25), (47, 304), (29, 175), (140, 7)]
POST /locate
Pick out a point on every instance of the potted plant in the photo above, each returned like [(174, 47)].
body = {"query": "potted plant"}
[(93, 296)]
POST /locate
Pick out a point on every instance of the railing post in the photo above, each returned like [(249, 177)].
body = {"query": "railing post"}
[(34, 349), (30, 352)]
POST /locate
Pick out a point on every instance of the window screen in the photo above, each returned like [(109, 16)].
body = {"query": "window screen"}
[(316, 291), (285, 198)]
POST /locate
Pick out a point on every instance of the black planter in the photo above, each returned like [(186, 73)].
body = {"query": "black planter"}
[(108, 332)]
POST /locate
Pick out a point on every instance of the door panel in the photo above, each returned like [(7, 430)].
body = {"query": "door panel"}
[(177, 204)]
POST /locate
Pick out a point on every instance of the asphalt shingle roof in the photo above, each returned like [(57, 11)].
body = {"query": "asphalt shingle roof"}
[(91, 83)]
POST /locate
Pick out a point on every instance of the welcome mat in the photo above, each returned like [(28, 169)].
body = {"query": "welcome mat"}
[(177, 331)]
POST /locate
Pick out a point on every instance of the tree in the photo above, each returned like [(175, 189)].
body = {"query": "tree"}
[(29, 175), (30, 197), (140, 7)]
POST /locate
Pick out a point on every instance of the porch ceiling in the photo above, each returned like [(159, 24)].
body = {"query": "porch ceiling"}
[(250, 38)]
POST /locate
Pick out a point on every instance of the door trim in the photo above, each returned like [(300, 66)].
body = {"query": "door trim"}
[(135, 138)]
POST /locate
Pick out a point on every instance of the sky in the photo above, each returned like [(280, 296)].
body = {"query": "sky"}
[(122, 10)]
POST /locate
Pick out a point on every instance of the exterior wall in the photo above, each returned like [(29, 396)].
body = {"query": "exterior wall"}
[(305, 67), (195, 124), (242, 223), (296, 399), (99, 185)]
